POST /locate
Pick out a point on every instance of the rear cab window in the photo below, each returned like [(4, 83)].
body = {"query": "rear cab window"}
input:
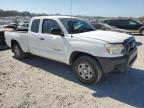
[(35, 25)]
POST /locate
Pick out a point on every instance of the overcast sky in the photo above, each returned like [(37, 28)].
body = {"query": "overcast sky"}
[(134, 8)]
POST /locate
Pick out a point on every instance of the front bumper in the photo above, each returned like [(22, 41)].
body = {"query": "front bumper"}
[(118, 63)]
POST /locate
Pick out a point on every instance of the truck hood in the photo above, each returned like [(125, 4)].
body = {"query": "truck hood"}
[(109, 36)]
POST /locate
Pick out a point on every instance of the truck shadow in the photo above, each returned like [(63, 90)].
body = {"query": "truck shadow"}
[(127, 88), (124, 87)]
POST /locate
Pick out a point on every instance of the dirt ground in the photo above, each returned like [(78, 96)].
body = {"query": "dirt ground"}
[(40, 83)]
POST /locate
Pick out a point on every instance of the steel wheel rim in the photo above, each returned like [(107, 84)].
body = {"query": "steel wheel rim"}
[(17, 51), (85, 71)]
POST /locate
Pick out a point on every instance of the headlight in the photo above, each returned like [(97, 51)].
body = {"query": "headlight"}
[(114, 49)]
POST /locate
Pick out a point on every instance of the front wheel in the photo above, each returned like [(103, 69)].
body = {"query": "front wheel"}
[(18, 53), (142, 32), (87, 70)]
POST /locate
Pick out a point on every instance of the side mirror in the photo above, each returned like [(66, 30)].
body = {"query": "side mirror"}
[(57, 32)]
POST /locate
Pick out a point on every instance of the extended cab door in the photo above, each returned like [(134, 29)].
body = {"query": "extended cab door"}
[(33, 37), (47, 44)]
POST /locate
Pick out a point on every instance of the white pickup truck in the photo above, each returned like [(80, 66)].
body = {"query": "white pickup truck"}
[(75, 42)]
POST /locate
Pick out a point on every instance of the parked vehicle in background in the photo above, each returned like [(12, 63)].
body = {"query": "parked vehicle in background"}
[(7, 24), (75, 42), (128, 24), (104, 26), (23, 26), (24, 22)]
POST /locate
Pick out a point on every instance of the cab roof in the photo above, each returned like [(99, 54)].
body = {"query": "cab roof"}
[(52, 17)]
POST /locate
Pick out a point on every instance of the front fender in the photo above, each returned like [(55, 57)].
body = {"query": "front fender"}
[(92, 47)]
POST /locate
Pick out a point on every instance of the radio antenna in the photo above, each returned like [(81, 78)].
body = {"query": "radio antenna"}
[(71, 7)]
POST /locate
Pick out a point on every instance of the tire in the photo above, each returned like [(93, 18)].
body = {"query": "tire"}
[(142, 32), (18, 53), (87, 70)]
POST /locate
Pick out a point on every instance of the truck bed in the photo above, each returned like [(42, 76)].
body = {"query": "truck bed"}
[(19, 36)]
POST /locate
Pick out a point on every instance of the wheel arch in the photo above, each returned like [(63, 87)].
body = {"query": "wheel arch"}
[(12, 43), (76, 54)]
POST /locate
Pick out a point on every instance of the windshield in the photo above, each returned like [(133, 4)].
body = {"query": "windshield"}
[(139, 21), (74, 25)]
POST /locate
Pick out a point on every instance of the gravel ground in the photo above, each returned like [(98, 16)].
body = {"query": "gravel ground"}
[(40, 83)]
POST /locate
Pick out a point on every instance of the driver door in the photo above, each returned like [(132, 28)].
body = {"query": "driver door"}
[(51, 46)]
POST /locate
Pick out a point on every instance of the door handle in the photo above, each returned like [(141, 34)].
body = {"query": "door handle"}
[(57, 49), (41, 38)]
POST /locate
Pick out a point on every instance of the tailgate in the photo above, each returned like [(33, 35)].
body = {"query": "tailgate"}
[(2, 35)]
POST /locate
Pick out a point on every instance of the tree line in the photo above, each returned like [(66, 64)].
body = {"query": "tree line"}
[(13, 13), (7, 13)]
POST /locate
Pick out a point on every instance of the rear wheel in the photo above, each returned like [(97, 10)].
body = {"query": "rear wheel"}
[(142, 32), (87, 70), (18, 53)]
